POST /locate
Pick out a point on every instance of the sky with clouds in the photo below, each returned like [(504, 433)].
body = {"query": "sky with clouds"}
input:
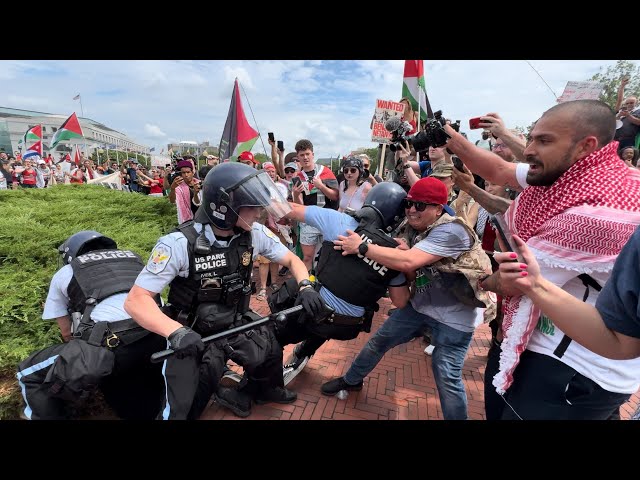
[(331, 103)]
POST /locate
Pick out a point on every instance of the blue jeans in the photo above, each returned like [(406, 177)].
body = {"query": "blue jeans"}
[(451, 347)]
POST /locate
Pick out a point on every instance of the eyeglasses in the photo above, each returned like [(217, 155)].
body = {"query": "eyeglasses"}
[(349, 170), (289, 170), (498, 146), (420, 206)]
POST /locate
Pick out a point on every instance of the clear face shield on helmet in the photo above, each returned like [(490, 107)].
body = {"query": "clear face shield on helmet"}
[(260, 191)]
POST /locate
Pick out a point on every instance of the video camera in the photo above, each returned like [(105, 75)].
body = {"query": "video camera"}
[(433, 134)]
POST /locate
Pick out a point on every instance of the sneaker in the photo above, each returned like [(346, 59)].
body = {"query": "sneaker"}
[(429, 350), (230, 379), (283, 271), (236, 401), (294, 365), (277, 395), (334, 386)]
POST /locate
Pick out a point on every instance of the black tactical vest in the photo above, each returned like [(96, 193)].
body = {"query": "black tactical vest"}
[(220, 279), (354, 278), (100, 274)]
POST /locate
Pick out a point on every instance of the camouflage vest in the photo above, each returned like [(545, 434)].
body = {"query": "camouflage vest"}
[(471, 266)]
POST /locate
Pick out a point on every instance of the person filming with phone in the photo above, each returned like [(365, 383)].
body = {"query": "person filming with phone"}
[(579, 207)]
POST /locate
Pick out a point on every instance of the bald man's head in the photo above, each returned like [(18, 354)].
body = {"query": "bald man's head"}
[(587, 117)]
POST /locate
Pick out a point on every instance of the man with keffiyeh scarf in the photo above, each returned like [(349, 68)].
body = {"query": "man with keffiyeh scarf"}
[(580, 206)]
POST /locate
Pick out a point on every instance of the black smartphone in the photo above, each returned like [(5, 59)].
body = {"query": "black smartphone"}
[(457, 163), (281, 145), (497, 221), (296, 181), (272, 138)]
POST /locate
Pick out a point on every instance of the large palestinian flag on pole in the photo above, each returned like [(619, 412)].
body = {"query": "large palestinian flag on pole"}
[(238, 136), (69, 129), (413, 88)]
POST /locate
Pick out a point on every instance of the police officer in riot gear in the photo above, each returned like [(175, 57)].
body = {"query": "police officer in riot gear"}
[(207, 263), (351, 285), (103, 346)]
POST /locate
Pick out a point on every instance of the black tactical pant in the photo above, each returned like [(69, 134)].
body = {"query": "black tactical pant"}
[(133, 389), (314, 335), (191, 381)]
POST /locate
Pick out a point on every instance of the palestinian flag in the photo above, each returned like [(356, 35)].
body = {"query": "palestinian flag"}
[(32, 135), (238, 135), (69, 129), (76, 156), (33, 150), (413, 88)]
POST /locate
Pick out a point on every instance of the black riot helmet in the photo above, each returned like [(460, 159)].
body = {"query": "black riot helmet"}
[(384, 206), (230, 186), (83, 242)]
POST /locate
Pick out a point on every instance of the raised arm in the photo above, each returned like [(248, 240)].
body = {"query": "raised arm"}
[(486, 164)]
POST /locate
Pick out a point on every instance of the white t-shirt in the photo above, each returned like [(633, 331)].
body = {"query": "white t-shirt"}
[(620, 376), (170, 256), (110, 309)]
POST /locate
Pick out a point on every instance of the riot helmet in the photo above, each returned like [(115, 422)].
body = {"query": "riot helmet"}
[(83, 242), (231, 186), (386, 199)]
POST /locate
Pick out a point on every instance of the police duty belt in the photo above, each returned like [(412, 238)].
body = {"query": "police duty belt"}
[(280, 317)]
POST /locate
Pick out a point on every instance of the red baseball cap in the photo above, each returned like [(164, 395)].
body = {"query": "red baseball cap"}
[(247, 156), (430, 190)]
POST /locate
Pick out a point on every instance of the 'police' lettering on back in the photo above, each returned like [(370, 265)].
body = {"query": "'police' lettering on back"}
[(106, 255)]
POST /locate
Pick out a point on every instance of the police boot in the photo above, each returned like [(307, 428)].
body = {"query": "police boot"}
[(276, 395), (235, 400)]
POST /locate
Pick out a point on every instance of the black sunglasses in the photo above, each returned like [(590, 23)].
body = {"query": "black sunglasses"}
[(420, 206), (289, 170), (349, 170)]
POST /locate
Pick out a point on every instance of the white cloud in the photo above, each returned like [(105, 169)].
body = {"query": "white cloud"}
[(154, 131)]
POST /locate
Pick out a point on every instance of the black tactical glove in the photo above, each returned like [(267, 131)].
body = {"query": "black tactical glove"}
[(311, 301), (185, 342)]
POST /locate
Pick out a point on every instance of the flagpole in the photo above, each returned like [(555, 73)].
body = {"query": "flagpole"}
[(82, 113)]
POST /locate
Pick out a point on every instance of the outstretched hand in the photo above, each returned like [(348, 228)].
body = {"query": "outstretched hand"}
[(348, 244)]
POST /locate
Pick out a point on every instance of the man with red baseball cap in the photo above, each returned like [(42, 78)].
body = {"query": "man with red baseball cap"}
[(444, 259), (247, 159)]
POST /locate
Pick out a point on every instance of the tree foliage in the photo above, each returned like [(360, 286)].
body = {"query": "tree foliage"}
[(611, 78)]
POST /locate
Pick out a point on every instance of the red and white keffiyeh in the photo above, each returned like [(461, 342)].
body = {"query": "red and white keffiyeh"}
[(183, 203), (579, 223)]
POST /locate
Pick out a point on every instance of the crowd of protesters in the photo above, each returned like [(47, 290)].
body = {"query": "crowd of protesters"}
[(552, 187)]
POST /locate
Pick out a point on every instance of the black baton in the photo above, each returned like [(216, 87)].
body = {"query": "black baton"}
[(278, 317)]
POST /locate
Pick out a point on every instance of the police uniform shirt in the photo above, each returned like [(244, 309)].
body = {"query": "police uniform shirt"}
[(333, 223), (110, 309), (170, 256)]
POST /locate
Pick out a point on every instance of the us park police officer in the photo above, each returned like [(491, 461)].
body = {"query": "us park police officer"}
[(351, 285), (207, 263), (103, 347)]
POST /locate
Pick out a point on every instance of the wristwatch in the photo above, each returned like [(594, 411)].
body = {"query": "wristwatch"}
[(304, 284), (363, 248), (405, 166)]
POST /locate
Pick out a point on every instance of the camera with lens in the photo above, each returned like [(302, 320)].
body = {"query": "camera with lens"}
[(433, 134)]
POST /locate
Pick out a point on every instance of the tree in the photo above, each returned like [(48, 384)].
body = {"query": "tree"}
[(611, 78)]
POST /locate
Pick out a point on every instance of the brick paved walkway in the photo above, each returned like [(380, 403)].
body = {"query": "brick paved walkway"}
[(401, 387)]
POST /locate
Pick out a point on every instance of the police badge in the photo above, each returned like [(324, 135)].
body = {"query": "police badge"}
[(246, 259)]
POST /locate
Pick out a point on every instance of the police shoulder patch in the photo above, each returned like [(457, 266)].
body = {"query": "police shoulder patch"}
[(159, 258)]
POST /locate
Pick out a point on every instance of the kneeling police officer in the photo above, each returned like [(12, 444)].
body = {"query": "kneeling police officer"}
[(351, 285), (207, 263), (103, 346)]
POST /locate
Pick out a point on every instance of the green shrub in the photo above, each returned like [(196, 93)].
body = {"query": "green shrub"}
[(33, 224)]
